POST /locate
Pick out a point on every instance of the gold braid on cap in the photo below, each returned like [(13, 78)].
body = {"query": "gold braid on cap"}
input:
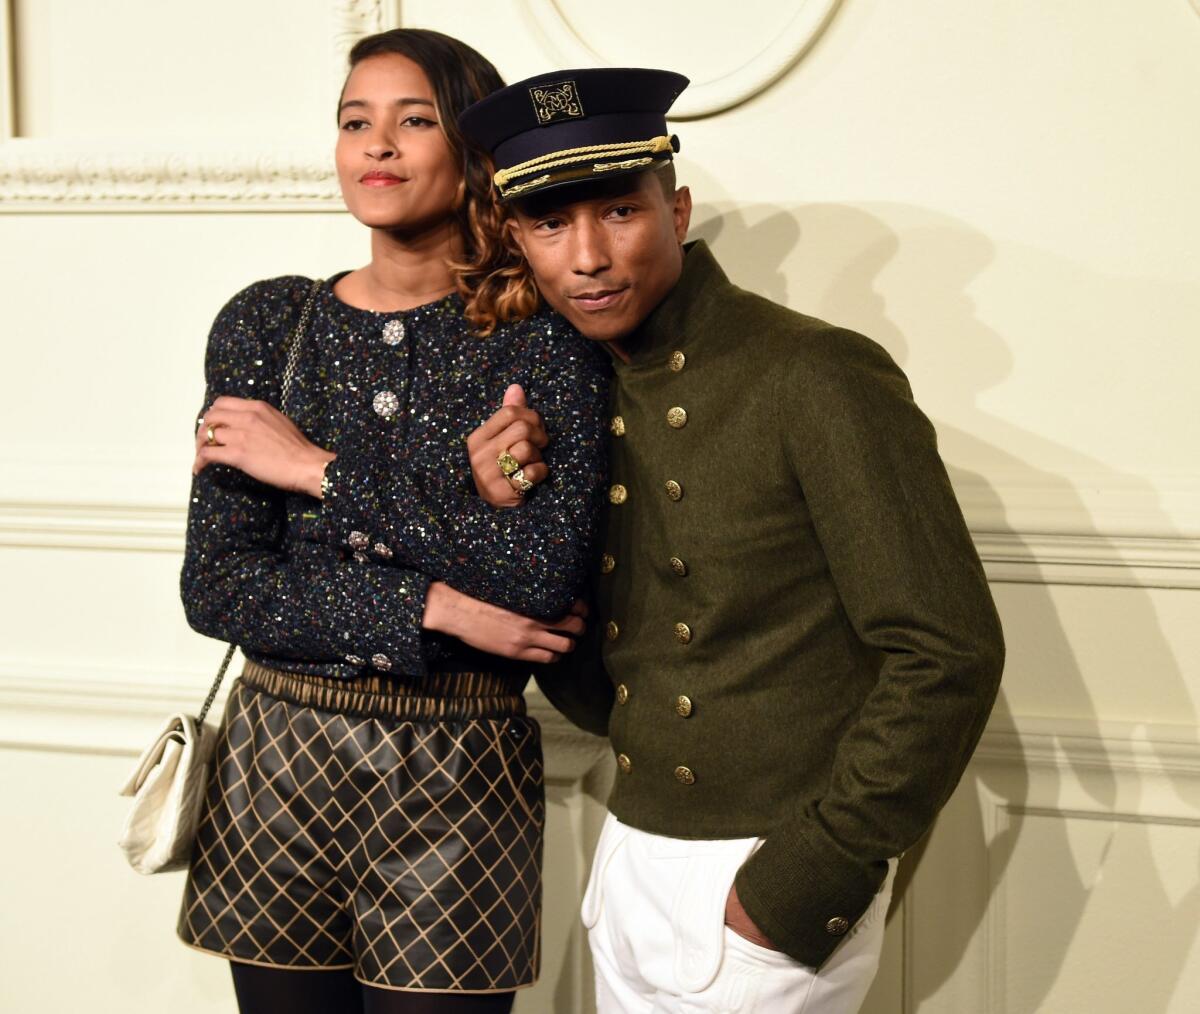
[(572, 156)]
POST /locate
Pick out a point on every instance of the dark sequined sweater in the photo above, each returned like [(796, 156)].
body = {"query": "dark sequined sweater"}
[(337, 586)]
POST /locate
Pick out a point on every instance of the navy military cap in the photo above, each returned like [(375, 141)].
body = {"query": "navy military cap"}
[(574, 125)]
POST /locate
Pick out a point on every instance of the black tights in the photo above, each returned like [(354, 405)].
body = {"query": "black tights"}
[(285, 991)]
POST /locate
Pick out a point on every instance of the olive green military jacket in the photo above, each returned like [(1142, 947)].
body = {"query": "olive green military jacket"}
[(798, 635)]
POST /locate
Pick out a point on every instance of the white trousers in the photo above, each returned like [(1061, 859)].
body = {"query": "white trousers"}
[(655, 913)]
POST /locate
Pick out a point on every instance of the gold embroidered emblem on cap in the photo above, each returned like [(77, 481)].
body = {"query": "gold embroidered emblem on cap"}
[(557, 101), (629, 163), (520, 187)]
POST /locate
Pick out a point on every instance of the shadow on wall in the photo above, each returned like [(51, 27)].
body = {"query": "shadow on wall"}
[(867, 269)]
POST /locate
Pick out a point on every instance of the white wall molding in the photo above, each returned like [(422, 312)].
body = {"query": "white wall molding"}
[(49, 176), (1140, 766), (100, 527), (83, 707), (1023, 558), (1090, 559), (42, 176), (72, 707), (1059, 744), (707, 97)]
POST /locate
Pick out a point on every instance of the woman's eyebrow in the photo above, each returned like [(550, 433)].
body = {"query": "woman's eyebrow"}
[(363, 103)]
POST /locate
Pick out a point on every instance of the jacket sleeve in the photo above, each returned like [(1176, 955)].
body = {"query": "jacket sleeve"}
[(532, 558), (913, 589), (578, 684), (241, 581)]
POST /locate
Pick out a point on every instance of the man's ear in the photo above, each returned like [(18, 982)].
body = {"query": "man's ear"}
[(681, 212)]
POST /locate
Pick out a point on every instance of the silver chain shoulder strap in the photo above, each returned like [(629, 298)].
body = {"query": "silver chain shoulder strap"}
[(293, 343)]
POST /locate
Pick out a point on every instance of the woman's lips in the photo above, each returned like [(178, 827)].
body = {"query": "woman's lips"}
[(378, 179), (598, 299)]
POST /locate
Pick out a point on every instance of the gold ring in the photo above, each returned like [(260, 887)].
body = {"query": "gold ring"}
[(508, 464), (519, 483), (210, 436)]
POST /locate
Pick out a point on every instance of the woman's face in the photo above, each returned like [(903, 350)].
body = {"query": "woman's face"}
[(393, 161)]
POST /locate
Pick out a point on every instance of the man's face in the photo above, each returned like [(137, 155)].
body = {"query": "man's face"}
[(606, 256)]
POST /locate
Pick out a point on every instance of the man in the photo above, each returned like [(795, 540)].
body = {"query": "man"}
[(800, 645)]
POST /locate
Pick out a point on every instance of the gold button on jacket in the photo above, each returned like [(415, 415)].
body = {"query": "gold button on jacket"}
[(683, 633), (678, 566), (612, 631), (622, 693), (674, 490), (676, 418), (683, 706), (617, 494), (624, 763), (677, 361), (617, 426), (684, 775), (608, 563)]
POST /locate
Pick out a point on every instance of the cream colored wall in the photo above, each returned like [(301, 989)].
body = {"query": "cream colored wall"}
[(1002, 194)]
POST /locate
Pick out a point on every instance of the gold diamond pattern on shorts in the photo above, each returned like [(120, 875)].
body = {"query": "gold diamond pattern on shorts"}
[(410, 851)]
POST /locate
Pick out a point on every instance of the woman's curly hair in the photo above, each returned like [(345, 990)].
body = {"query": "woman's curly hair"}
[(492, 277)]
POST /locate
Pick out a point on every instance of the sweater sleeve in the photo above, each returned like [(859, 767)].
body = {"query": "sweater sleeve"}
[(913, 590), (241, 581), (532, 558)]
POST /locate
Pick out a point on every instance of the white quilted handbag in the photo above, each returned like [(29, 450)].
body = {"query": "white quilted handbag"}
[(167, 785)]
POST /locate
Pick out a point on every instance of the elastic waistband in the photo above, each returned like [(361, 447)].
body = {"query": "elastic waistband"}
[(447, 696)]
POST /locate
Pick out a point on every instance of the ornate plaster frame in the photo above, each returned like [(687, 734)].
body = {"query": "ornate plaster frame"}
[(58, 176), (709, 97)]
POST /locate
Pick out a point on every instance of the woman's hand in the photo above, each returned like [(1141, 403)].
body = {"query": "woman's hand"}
[(497, 631), (261, 441), (517, 429)]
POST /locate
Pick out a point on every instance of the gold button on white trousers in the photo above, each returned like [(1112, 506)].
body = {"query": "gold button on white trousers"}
[(655, 913)]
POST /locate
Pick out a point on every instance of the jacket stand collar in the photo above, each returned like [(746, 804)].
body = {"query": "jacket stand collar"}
[(671, 324)]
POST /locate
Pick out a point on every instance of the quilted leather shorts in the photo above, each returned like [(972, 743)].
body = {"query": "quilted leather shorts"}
[(391, 828)]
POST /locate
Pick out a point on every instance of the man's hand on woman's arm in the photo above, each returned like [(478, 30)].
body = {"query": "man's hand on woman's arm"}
[(518, 430)]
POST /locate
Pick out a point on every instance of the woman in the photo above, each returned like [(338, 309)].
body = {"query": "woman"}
[(376, 811)]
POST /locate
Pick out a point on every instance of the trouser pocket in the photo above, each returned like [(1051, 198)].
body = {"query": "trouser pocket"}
[(698, 912), (612, 834)]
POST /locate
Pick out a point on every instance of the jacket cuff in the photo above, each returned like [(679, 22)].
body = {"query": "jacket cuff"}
[(389, 637), (806, 894), (350, 509)]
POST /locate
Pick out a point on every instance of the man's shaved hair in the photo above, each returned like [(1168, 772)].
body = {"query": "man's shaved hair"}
[(666, 178), (548, 201)]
